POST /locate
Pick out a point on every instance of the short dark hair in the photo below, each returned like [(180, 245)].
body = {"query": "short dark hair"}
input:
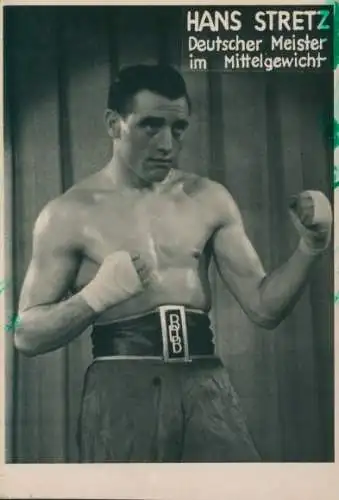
[(161, 79)]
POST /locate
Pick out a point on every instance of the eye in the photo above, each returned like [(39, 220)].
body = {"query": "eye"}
[(178, 128), (177, 132), (151, 129), (151, 125)]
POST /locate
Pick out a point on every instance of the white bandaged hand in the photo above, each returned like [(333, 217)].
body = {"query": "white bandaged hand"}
[(311, 214), (117, 279)]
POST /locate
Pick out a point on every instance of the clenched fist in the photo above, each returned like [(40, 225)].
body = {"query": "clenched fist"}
[(120, 277), (147, 274), (311, 214)]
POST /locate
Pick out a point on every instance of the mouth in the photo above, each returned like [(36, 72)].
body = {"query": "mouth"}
[(160, 162)]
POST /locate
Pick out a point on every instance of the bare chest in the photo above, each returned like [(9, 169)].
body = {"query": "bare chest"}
[(165, 230)]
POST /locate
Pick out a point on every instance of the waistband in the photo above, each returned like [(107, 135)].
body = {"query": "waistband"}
[(170, 333)]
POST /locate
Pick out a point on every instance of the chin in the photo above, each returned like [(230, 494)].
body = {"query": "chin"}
[(156, 176), (159, 177)]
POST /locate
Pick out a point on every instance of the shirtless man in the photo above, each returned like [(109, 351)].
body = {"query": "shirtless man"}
[(132, 240)]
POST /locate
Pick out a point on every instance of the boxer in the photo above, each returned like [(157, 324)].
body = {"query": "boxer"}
[(132, 243)]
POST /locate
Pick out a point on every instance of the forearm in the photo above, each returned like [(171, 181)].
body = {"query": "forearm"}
[(280, 290), (48, 327)]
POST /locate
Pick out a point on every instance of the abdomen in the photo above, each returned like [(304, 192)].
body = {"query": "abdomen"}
[(183, 286), (187, 286)]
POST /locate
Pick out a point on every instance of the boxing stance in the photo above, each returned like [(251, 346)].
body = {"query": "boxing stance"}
[(132, 243)]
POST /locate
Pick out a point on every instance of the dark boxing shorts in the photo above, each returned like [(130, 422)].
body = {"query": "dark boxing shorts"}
[(156, 392)]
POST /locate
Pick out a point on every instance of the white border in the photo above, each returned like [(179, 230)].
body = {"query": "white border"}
[(167, 482)]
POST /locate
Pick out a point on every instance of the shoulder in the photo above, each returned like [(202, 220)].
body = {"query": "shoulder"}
[(220, 195), (61, 219), (216, 198), (194, 185), (68, 209), (54, 224)]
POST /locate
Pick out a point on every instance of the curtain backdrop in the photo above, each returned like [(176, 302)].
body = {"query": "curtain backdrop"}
[(264, 136)]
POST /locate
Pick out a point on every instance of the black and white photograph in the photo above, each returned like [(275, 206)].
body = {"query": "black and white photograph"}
[(169, 256)]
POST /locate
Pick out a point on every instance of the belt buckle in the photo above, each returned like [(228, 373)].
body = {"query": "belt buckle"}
[(174, 334)]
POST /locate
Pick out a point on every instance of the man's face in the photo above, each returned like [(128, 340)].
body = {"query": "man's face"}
[(151, 135)]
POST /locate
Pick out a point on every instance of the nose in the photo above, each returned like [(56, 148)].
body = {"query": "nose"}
[(164, 143)]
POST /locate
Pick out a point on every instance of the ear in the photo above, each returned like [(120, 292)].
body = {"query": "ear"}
[(112, 121)]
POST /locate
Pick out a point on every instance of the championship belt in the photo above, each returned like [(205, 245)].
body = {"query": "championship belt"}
[(174, 334)]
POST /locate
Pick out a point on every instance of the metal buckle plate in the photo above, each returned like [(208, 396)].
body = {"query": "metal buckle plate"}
[(174, 334)]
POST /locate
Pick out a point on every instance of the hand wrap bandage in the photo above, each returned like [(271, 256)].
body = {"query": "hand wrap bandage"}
[(116, 281), (316, 238)]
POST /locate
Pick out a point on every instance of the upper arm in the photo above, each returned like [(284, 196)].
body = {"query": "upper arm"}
[(55, 259), (236, 259)]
